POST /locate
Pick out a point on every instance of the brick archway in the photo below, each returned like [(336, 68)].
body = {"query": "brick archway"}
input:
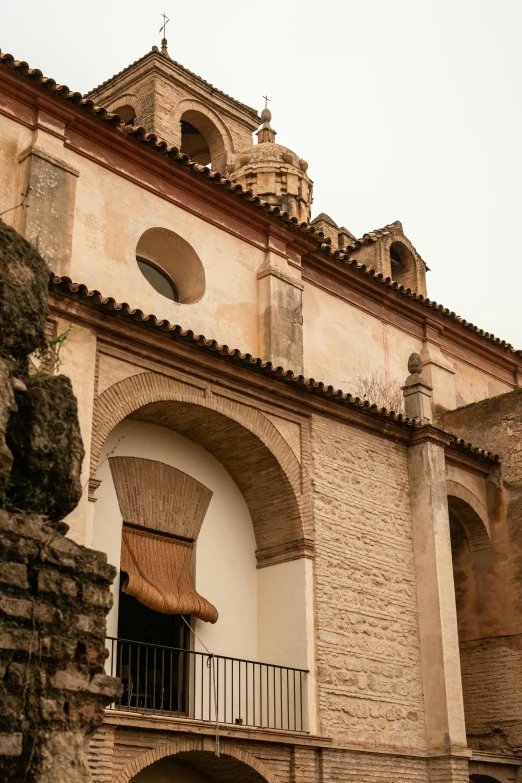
[(245, 441), (471, 514), (254, 770)]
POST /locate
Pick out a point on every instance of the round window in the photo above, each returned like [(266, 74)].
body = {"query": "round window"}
[(170, 265), (158, 280)]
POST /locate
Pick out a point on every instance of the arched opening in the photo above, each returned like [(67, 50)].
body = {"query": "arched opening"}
[(483, 779), (127, 113), (194, 144), (402, 265), (198, 767), (202, 141), (262, 623), (170, 265)]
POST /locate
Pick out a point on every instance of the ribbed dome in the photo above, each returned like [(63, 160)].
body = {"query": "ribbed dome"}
[(269, 152), (274, 173)]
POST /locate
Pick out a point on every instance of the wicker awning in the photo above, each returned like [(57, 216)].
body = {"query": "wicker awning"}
[(160, 574)]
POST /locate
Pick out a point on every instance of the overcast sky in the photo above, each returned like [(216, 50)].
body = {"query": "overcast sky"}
[(404, 109)]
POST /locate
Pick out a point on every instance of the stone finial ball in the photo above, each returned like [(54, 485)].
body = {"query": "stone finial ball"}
[(287, 157), (415, 364), (303, 165), (266, 115)]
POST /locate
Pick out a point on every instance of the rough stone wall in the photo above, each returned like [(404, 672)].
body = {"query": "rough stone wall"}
[(491, 659), (369, 669), (492, 700), (54, 598), (54, 593)]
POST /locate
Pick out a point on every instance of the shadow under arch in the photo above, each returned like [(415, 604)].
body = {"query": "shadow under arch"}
[(483, 779), (245, 441), (214, 142), (467, 509), (232, 765)]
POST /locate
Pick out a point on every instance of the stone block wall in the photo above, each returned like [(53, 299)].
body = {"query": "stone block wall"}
[(492, 686), (491, 659), (53, 688), (369, 669)]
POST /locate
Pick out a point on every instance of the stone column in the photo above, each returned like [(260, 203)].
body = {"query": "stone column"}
[(443, 703)]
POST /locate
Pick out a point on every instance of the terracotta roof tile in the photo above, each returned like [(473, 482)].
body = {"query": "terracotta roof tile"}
[(173, 153), (66, 286)]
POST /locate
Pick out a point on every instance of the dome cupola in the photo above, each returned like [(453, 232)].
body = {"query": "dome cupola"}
[(274, 173)]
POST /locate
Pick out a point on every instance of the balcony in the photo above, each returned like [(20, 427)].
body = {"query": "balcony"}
[(201, 686)]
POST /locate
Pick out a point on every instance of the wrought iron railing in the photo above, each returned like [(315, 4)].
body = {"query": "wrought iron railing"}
[(191, 684)]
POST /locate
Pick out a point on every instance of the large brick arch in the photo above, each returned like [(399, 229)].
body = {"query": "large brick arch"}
[(245, 441), (244, 766)]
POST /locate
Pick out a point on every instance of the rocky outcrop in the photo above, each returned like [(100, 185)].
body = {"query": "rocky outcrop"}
[(54, 594)]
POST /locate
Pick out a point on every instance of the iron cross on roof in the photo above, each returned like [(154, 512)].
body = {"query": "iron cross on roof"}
[(165, 23), (266, 100)]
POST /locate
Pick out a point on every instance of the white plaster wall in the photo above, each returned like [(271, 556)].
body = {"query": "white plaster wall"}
[(286, 626), (111, 214), (342, 341), (225, 563), (282, 614)]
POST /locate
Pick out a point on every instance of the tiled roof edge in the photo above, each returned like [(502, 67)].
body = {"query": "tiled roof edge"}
[(68, 287), (216, 178)]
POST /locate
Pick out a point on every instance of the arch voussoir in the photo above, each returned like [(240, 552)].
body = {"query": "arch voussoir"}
[(179, 747), (242, 438)]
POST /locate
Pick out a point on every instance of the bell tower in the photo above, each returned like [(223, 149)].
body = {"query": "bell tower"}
[(184, 110)]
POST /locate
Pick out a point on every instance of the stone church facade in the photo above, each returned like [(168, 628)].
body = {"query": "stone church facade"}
[(310, 587)]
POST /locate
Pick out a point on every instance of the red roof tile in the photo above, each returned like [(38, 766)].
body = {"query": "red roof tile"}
[(64, 285)]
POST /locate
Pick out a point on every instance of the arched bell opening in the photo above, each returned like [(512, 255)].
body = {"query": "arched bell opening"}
[(127, 113), (202, 141), (403, 269)]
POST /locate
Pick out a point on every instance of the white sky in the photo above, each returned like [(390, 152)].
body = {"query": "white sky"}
[(404, 109)]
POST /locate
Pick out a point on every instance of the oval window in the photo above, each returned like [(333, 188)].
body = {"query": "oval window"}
[(170, 265), (158, 280)]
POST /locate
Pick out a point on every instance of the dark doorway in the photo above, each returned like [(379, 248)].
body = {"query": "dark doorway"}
[(152, 657)]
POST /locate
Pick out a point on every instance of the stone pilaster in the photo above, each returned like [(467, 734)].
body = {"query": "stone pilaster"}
[(280, 314), (439, 371), (442, 685)]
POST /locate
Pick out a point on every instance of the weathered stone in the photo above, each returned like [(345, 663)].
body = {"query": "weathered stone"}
[(24, 277), (52, 582), (52, 683), (7, 406), (44, 437), (11, 744), (13, 574)]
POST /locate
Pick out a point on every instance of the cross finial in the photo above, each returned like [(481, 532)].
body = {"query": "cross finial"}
[(166, 20), (266, 100)]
